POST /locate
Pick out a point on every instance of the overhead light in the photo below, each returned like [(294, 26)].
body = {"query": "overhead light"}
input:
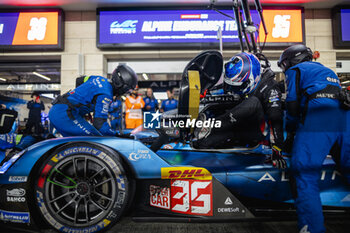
[(3, 79), (42, 76), (145, 76), (48, 95), (348, 81)]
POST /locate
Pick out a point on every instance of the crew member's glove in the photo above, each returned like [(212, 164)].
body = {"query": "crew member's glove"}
[(277, 158), (288, 143)]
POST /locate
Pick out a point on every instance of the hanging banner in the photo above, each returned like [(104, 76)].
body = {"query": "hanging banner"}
[(31, 87), (164, 28), (31, 30)]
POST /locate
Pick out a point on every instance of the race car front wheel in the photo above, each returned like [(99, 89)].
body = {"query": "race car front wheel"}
[(81, 187)]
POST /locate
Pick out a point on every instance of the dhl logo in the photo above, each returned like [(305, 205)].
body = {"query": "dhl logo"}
[(197, 173)]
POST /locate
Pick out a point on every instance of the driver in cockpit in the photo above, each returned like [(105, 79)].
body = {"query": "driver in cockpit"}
[(244, 123)]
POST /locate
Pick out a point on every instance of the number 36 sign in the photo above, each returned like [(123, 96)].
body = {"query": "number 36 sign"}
[(31, 29)]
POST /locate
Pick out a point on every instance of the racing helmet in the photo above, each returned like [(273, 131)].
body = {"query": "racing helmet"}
[(242, 74), (124, 79), (294, 55)]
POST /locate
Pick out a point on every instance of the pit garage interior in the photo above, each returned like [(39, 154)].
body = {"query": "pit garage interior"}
[(54, 72)]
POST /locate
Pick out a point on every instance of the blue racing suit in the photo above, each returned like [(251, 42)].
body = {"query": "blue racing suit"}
[(169, 104), (115, 111), (152, 102), (315, 116), (67, 115)]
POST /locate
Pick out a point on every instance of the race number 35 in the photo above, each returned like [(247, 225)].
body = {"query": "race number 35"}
[(192, 197), (37, 28), (282, 26)]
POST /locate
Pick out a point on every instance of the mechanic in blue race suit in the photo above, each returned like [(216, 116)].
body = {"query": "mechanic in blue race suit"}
[(115, 113), (95, 95), (316, 119), (170, 103), (151, 103), (260, 102)]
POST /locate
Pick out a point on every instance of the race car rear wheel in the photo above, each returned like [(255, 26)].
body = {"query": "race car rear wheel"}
[(81, 187)]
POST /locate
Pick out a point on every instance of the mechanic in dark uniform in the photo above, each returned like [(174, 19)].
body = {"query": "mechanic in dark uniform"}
[(151, 103), (115, 113), (260, 100), (170, 103), (35, 107), (316, 119), (95, 95)]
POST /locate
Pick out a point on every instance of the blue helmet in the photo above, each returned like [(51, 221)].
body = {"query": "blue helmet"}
[(242, 74)]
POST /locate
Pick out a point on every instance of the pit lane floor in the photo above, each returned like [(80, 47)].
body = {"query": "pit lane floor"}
[(128, 226)]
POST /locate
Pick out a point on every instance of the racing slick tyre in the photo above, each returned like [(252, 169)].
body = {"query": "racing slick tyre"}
[(81, 187)]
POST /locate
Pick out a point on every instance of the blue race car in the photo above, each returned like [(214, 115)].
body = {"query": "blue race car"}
[(86, 184)]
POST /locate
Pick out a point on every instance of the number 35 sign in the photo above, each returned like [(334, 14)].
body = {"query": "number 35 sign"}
[(192, 197), (283, 26)]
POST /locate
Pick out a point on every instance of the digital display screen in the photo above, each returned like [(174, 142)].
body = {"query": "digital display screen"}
[(31, 30), (188, 28), (345, 24)]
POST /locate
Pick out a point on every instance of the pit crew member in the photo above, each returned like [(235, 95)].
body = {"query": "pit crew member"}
[(261, 99), (35, 107), (316, 119), (170, 103), (94, 95), (151, 103)]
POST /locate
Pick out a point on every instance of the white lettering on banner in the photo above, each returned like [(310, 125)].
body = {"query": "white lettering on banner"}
[(194, 25), (188, 26), (126, 27), (37, 87), (1, 28), (38, 29), (230, 25), (160, 26), (282, 26)]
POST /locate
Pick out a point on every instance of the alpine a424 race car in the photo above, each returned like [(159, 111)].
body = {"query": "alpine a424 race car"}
[(86, 184)]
